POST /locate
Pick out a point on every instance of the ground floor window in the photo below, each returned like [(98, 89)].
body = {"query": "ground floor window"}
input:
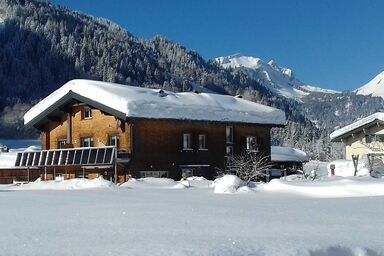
[(229, 150), (61, 143), (154, 174), (114, 140), (87, 142), (251, 143), (186, 172)]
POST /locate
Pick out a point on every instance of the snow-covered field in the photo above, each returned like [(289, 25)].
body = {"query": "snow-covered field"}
[(335, 216)]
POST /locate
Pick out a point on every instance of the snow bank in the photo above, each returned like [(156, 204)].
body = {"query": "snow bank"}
[(282, 154), (65, 184), (345, 168), (155, 183), (130, 101), (8, 159), (321, 168), (227, 184), (332, 187)]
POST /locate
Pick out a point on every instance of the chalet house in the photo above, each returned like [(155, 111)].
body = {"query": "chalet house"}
[(363, 137), (91, 128)]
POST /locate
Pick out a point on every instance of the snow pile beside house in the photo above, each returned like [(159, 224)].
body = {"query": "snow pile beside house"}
[(345, 168), (154, 183), (66, 184), (228, 184), (332, 187), (8, 159), (137, 102), (199, 182)]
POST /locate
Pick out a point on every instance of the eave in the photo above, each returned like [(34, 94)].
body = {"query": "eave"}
[(62, 104), (357, 130)]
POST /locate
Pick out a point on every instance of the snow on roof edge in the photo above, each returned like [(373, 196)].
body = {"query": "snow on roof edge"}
[(288, 154), (356, 125), (139, 102)]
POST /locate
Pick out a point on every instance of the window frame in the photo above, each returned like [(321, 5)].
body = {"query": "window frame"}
[(60, 144), (87, 109), (202, 142), (116, 136), (83, 139), (229, 134), (251, 143), (154, 174), (187, 141), (229, 150)]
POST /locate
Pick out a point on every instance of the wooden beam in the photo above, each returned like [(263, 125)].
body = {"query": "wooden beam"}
[(54, 118), (66, 109)]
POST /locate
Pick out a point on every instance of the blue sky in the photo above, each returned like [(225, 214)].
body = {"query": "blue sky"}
[(336, 44)]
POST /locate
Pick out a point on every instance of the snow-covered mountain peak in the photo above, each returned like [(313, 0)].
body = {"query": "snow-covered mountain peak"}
[(237, 61), (278, 79), (375, 87)]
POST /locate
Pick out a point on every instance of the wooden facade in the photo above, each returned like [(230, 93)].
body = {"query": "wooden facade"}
[(155, 147)]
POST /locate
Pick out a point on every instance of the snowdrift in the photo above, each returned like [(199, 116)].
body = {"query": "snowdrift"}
[(65, 184)]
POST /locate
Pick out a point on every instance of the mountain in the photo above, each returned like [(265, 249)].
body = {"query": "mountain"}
[(278, 79), (375, 87), (42, 46)]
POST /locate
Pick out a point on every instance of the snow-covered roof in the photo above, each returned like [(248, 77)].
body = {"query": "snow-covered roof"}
[(357, 126), (137, 102), (287, 154)]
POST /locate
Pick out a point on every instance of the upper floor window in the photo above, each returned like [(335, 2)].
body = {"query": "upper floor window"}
[(229, 134), (187, 143), (87, 112), (87, 142), (61, 143), (202, 141), (114, 140), (374, 138), (251, 143)]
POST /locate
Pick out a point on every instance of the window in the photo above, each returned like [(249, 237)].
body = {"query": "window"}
[(154, 174), (374, 138), (87, 113), (61, 143), (202, 141), (380, 138), (187, 141), (251, 143), (229, 134), (87, 142), (114, 140), (229, 150), (186, 172)]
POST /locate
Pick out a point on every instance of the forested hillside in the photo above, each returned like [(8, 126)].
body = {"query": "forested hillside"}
[(42, 46)]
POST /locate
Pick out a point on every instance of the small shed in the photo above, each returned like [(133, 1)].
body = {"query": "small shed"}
[(287, 160)]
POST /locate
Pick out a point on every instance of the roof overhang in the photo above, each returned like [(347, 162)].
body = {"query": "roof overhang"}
[(60, 105), (357, 130)]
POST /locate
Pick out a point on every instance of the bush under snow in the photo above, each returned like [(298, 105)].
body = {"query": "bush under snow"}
[(227, 184)]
